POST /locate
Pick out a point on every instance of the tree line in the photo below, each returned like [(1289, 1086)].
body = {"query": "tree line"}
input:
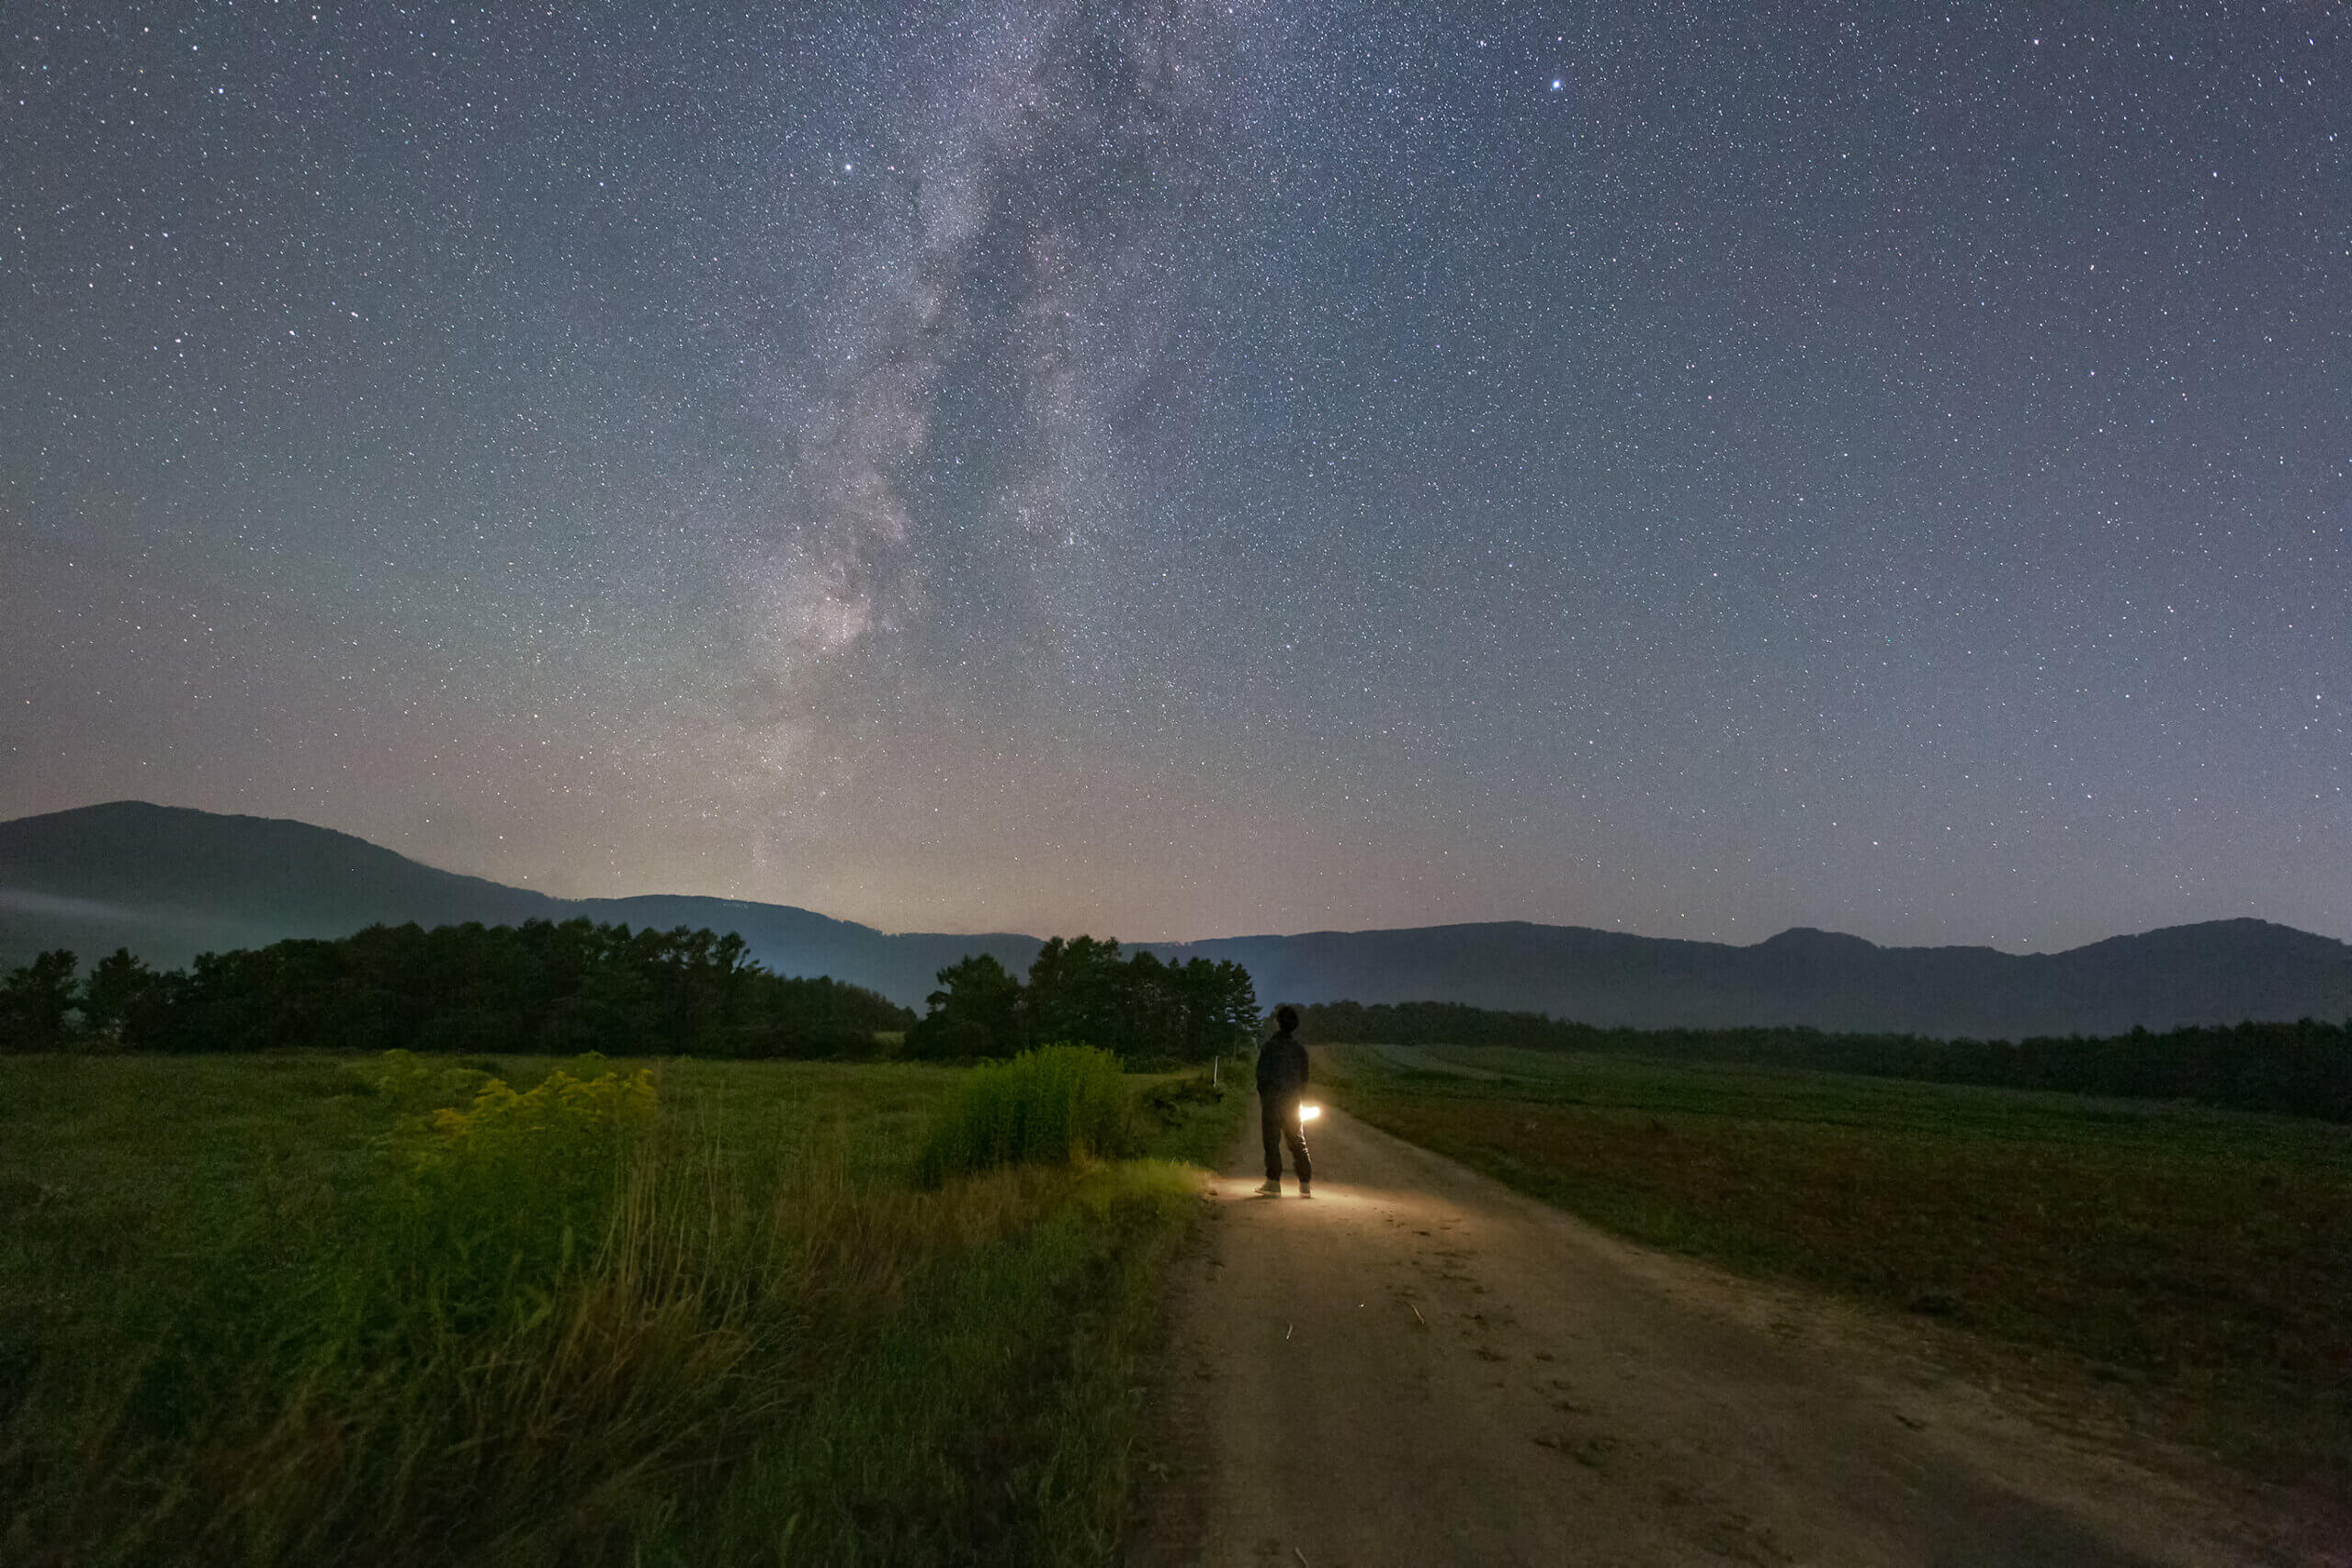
[(538, 987), (2300, 1069), (1088, 991)]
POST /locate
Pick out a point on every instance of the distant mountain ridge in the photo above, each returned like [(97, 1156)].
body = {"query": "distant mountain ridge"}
[(2220, 971), (168, 882)]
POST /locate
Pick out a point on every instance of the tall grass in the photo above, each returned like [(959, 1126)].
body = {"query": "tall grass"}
[(991, 1420), (515, 1305), (1050, 1106), (578, 1323)]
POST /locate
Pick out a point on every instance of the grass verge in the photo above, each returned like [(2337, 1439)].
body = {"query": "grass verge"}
[(2199, 1255), (276, 1311)]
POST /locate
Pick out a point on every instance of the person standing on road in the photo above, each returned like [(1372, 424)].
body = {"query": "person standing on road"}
[(1281, 1079)]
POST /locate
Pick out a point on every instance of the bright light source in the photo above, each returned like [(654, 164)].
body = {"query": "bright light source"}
[(1309, 1112)]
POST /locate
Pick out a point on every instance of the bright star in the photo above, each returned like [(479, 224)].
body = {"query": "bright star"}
[(1557, 84)]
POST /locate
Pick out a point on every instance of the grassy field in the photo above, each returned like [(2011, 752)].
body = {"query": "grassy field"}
[(2203, 1256), (310, 1308)]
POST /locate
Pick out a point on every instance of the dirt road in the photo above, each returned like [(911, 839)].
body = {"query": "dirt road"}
[(1420, 1367)]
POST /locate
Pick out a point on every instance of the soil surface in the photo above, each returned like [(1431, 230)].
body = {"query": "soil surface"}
[(1419, 1366)]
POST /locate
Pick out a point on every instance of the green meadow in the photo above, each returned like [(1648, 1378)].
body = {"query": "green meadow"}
[(2199, 1257), (309, 1307)]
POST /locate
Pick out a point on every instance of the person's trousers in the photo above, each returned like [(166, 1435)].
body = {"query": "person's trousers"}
[(1278, 1120)]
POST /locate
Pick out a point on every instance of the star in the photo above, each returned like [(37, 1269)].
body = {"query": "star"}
[(1316, 490)]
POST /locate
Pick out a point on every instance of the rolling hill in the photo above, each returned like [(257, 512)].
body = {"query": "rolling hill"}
[(2221, 970), (168, 883)]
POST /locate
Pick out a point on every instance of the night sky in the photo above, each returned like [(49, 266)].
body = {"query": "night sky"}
[(1184, 469)]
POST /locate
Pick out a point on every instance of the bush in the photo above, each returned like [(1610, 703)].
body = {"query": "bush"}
[(1056, 1105), (945, 1038), (486, 1210)]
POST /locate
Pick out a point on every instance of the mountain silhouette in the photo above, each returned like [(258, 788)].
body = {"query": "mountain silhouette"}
[(168, 883), (2221, 970)]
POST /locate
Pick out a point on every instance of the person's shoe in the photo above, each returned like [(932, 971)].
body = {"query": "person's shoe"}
[(1305, 1190), (1271, 1190)]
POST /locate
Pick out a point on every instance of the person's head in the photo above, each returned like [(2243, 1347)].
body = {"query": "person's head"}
[(1286, 1018)]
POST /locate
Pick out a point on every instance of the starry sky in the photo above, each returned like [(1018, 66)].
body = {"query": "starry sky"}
[(1184, 469)]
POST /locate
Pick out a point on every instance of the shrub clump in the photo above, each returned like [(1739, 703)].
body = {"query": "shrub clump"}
[(497, 1203), (563, 1115), (1055, 1105)]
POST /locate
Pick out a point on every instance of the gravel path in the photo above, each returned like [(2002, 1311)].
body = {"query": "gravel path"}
[(1421, 1367)]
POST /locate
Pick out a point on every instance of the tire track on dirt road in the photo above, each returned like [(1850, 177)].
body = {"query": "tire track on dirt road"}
[(1422, 1367)]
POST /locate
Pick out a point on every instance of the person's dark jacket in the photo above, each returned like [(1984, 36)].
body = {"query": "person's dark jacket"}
[(1282, 1068)]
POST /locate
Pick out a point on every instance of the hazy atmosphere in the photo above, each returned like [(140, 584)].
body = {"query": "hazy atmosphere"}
[(1188, 469)]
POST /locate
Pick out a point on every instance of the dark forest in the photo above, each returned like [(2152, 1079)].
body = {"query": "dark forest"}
[(536, 988)]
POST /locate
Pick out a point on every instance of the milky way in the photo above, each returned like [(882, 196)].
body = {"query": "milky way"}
[(1184, 469)]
